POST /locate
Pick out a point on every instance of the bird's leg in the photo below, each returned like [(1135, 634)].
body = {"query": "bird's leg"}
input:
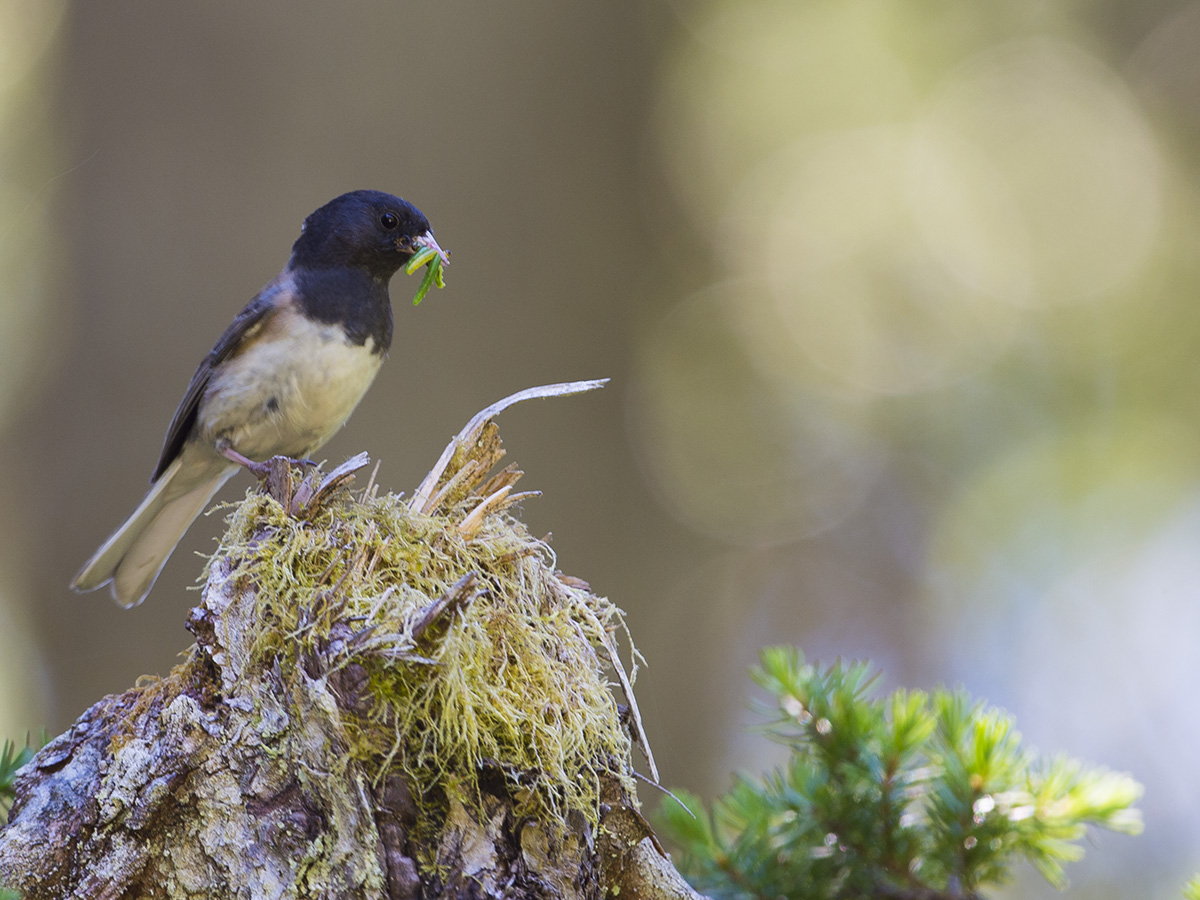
[(259, 470)]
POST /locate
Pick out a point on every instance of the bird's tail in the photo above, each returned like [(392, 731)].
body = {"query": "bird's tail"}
[(132, 558)]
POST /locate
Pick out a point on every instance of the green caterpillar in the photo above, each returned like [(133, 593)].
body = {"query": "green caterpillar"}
[(433, 274)]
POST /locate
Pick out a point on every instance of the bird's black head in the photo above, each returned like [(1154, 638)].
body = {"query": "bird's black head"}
[(367, 230)]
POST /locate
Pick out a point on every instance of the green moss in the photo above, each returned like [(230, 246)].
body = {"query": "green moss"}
[(514, 678)]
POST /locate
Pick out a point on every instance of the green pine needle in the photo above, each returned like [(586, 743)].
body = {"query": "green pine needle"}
[(11, 759), (914, 794)]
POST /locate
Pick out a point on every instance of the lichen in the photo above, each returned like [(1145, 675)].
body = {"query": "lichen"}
[(511, 678)]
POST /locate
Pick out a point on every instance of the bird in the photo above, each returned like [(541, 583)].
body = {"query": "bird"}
[(281, 380)]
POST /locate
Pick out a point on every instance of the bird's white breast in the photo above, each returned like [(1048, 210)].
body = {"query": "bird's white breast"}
[(292, 387)]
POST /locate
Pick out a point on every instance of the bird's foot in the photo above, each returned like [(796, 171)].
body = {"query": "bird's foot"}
[(263, 470), (305, 496)]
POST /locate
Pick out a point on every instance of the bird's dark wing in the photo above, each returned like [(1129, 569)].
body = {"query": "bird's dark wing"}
[(245, 325)]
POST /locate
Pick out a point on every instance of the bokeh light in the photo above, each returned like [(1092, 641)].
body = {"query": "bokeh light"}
[(853, 282), (730, 452), (1073, 160)]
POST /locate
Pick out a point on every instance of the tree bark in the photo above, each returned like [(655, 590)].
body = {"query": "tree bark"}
[(243, 773)]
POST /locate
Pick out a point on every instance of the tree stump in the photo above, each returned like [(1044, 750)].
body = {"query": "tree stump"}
[(386, 699)]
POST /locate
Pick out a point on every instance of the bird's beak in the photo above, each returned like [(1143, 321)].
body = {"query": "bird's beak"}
[(426, 240)]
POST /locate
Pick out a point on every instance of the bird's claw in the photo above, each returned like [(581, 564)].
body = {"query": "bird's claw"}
[(262, 470)]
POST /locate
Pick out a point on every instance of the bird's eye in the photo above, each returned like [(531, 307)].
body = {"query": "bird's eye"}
[(389, 220)]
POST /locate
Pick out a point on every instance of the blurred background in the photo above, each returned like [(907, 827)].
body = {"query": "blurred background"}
[(898, 300)]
